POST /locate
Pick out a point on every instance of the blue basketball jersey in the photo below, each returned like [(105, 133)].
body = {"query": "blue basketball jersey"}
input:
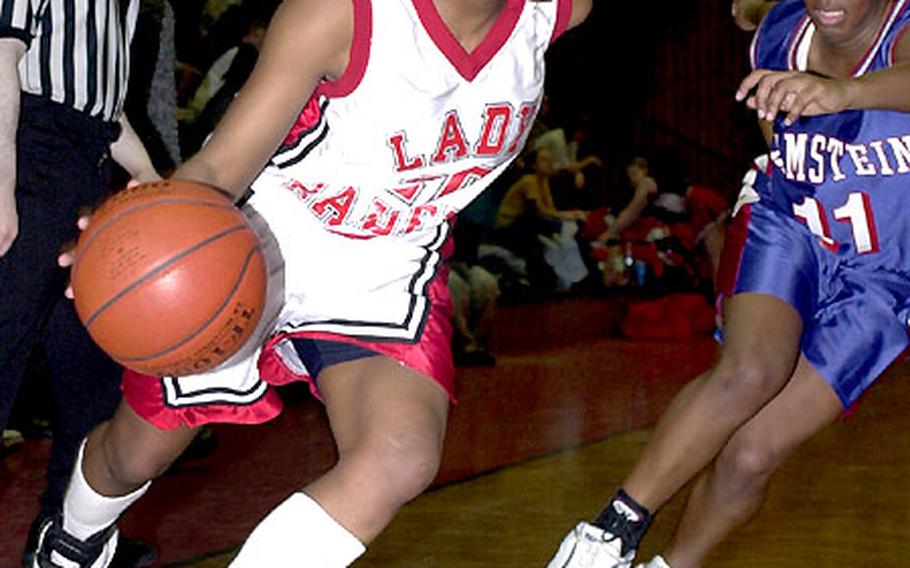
[(846, 176)]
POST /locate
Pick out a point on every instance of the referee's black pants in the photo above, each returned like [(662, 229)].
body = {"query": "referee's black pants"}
[(63, 165)]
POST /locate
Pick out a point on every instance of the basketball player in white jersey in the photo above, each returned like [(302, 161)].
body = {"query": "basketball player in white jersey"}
[(362, 131)]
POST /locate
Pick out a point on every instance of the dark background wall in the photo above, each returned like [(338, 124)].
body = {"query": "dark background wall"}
[(659, 78)]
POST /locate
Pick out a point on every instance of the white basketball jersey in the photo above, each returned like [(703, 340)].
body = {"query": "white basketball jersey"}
[(361, 192)]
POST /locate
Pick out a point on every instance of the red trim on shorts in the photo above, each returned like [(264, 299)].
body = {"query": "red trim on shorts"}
[(430, 354), (732, 253), (145, 395), (563, 17), (467, 64), (359, 56)]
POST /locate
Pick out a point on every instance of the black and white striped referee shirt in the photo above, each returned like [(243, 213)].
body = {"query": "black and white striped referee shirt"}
[(78, 52)]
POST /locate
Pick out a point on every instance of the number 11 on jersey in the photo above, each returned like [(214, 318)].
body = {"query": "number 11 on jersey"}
[(857, 211)]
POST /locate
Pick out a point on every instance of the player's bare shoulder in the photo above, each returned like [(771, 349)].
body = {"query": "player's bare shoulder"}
[(580, 11), (319, 31)]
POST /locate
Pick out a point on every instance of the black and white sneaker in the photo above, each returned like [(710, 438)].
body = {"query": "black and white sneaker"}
[(589, 546), (609, 542), (59, 549)]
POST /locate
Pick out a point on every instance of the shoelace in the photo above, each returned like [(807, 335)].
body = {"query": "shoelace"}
[(629, 533)]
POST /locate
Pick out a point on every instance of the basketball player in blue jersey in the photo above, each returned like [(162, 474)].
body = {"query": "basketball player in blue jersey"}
[(816, 293), (363, 129)]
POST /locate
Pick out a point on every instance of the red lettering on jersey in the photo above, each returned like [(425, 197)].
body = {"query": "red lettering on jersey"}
[(452, 140), (417, 216), (402, 162), (303, 191), (461, 179), (496, 122), (335, 208), (408, 192), (527, 112), (380, 213)]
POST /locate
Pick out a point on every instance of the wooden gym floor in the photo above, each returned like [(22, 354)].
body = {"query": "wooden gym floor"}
[(536, 443), (844, 500)]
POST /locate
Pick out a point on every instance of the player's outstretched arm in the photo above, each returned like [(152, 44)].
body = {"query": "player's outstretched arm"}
[(796, 93), (307, 41)]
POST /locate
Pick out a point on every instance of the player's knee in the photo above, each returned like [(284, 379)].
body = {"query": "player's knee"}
[(748, 460), (744, 382), (407, 464)]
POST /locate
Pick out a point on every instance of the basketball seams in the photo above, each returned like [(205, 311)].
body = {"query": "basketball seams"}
[(161, 267), (93, 232), (177, 270), (216, 313)]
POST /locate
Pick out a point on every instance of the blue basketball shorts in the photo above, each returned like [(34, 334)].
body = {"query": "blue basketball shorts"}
[(854, 313)]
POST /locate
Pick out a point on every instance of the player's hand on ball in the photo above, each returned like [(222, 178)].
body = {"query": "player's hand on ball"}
[(792, 92), (65, 259)]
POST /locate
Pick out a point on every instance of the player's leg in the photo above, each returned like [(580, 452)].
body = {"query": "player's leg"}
[(127, 452), (761, 341), (113, 469), (857, 331), (733, 488), (389, 424)]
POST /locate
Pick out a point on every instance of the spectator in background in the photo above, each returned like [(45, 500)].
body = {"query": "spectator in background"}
[(475, 291), (530, 199), (222, 81), (568, 171), (530, 225), (644, 191)]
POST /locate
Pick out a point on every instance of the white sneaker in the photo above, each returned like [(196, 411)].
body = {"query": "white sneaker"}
[(588, 546), (59, 549), (656, 562)]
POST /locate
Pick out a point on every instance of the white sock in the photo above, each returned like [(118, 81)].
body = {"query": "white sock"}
[(299, 532), (85, 511)]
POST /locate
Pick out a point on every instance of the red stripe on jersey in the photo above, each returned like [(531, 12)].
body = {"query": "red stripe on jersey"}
[(359, 56), (309, 117), (563, 16), (866, 60), (467, 64)]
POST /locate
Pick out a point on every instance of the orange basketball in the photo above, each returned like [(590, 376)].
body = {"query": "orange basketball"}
[(169, 278)]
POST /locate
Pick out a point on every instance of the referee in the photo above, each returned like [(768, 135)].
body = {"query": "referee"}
[(64, 68)]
